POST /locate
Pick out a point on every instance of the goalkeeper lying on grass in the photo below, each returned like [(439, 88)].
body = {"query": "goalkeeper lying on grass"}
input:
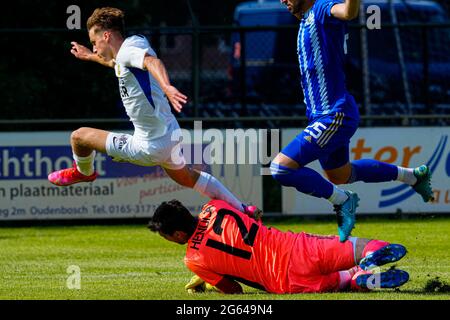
[(225, 247)]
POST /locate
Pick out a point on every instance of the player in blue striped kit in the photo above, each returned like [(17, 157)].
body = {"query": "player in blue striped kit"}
[(333, 117)]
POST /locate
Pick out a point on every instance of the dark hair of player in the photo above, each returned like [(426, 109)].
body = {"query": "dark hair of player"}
[(107, 19), (172, 216)]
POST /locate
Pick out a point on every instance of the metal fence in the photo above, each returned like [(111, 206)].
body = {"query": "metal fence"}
[(232, 76), (228, 84)]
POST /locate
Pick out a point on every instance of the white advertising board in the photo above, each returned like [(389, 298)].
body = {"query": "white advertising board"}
[(408, 147), (122, 190)]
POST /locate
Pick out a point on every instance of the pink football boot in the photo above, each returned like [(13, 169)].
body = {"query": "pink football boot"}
[(66, 177)]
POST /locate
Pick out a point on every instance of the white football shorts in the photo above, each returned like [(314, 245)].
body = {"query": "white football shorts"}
[(164, 151)]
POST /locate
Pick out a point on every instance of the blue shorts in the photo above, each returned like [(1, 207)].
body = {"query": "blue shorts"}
[(326, 139)]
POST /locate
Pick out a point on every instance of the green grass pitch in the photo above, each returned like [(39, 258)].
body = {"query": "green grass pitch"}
[(130, 262)]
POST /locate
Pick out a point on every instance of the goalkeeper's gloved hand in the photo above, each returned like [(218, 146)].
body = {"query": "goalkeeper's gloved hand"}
[(197, 285)]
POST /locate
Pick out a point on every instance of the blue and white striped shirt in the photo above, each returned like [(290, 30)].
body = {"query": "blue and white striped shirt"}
[(321, 51)]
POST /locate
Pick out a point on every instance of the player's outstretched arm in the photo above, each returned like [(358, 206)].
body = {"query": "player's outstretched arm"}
[(83, 53), (346, 11), (156, 67)]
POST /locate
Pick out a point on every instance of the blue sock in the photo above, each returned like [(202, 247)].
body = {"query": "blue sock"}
[(369, 170), (303, 179)]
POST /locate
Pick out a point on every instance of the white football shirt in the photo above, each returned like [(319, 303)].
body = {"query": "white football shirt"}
[(142, 97)]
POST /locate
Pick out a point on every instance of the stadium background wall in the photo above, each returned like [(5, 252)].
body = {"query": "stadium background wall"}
[(122, 191), (129, 191)]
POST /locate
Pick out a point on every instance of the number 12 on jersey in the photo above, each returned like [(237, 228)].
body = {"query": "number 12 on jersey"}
[(248, 236)]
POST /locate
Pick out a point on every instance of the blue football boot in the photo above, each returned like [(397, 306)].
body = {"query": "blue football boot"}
[(388, 279), (423, 184), (388, 254), (345, 214)]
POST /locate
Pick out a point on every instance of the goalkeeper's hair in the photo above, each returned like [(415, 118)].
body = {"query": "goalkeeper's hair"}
[(172, 216), (107, 19)]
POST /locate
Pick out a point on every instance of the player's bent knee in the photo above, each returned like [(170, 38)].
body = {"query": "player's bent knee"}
[(80, 135), (279, 172), (76, 136), (274, 169)]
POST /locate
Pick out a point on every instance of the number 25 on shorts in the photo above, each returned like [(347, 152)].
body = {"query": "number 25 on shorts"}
[(315, 130)]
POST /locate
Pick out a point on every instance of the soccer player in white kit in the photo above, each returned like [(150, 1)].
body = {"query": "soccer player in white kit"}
[(145, 90)]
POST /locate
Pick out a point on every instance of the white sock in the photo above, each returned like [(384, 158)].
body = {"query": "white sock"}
[(338, 197), (211, 187), (85, 164), (406, 175)]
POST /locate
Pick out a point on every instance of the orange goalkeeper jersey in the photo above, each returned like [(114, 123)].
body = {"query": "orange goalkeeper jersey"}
[(229, 243)]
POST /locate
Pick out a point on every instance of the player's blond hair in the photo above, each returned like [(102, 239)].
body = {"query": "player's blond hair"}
[(107, 18)]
